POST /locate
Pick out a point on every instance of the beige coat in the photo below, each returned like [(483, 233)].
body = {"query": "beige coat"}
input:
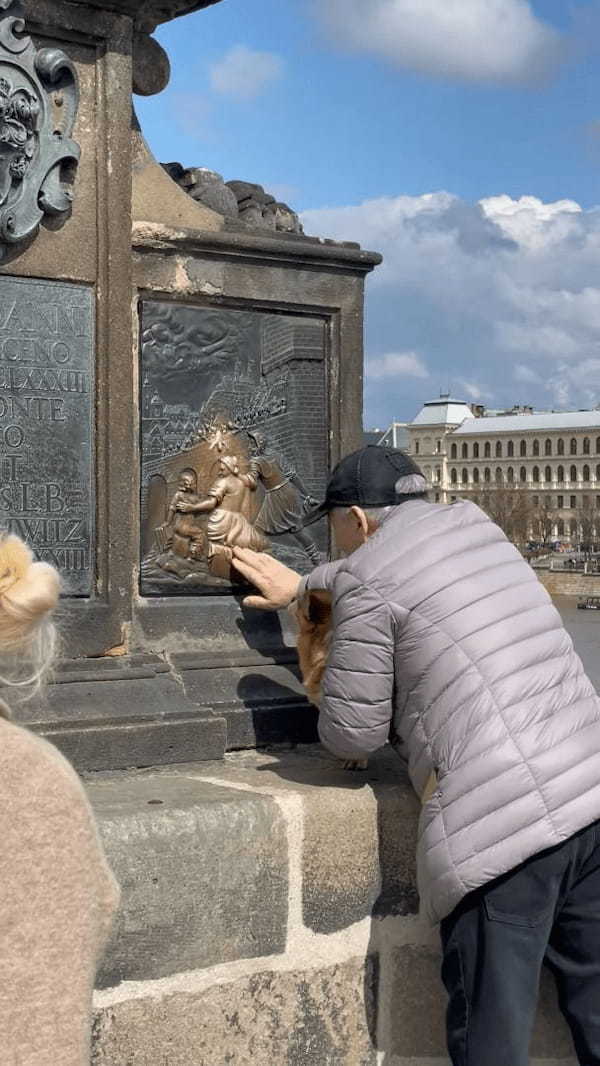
[(58, 899)]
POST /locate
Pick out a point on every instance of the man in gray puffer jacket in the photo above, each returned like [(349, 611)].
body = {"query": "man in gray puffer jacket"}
[(445, 643)]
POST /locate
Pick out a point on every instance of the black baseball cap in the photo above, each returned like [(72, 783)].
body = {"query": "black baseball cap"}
[(367, 478)]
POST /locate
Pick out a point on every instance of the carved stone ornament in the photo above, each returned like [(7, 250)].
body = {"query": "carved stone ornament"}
[(39, 97)]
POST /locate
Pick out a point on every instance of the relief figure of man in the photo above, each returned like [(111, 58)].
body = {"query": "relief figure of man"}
[(285, 497), (228, 503), (181, 518)]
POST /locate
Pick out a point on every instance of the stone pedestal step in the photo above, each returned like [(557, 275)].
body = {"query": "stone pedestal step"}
[(269, 917)]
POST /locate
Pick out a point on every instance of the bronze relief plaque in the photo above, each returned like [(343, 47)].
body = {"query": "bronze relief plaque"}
[(234, 442), (46, 390)]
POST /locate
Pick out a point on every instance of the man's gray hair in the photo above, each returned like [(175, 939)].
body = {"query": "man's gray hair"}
[(411, 485)]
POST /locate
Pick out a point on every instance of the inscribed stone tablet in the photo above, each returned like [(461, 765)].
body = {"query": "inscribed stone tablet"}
[(46, 389)]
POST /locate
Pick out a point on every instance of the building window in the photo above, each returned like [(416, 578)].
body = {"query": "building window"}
[(598, 473), (438, 473), (573, 474), (586, 445), (487, 450), (535, 500), (585, 501), (464, 477), (523, 447), (547, 474), (573, 527), (560, 525), (498, 476), (476, 475), (487, 474), (510, 474), (476, 450), (560, 473), (548, 447), (536, 447), (573, 446), (416, 447), (586, 473), (560, 502), (453, 452), (560, 447), (465, 451), (498, 449), (510, 449), (522, 474), (598, 501), (437, 497), (536, 474), (438, 446), (597, 445), (453, 476), (573, 502)]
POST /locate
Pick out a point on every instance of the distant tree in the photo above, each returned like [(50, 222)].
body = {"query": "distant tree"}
[(543, 520), (510, 507), (586, 523)]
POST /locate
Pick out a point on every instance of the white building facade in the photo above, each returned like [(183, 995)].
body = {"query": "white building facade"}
[(554, 457)]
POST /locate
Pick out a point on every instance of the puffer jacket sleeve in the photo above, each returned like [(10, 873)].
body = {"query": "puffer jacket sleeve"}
[(321, 578), (356, 707)]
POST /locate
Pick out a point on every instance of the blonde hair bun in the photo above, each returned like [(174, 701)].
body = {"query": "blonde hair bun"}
[(28, 591), (15, 559)]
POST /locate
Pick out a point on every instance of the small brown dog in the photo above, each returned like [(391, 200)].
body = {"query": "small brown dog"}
[(313, 615)]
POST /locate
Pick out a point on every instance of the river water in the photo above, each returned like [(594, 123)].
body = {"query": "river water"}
[(584, 627)]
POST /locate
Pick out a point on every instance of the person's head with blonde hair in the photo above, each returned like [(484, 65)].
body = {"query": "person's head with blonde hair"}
[(29, 592)]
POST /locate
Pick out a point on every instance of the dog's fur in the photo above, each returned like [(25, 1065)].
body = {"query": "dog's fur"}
[(313, 615)]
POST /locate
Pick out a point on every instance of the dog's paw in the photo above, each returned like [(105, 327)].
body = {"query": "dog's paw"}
[(356, 764)]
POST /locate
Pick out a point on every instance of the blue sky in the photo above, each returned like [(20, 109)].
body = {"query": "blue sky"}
[(418, 129)]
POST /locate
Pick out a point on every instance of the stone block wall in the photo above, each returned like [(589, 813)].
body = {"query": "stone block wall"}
[(269, 917), (565, 583)]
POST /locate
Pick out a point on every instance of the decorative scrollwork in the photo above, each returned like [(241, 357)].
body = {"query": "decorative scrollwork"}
[(39, 97)]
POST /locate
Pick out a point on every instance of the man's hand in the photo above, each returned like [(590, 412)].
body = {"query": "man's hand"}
[(277, 584)]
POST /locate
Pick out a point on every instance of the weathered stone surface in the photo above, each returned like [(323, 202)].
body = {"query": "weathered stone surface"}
[(359, 835), (319, 1017), (151, 66), (206, 186), (119, 745), (359, 848), (119, 712), (149, 13), (203, 872), (418, 1004)]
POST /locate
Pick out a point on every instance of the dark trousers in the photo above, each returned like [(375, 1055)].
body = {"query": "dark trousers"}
[(546, 911)]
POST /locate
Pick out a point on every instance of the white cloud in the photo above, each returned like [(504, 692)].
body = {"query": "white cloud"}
[(526, 375), (397, 365), (472, 390), (494, 296), (500, 41), (244, 73)]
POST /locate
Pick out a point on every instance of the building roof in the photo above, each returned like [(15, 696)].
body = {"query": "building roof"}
[(555, 420), (442, 412), (396, 436), (372, 436)]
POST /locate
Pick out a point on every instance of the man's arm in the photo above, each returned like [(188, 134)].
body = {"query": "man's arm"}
[(358, 685), (277, 584)]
